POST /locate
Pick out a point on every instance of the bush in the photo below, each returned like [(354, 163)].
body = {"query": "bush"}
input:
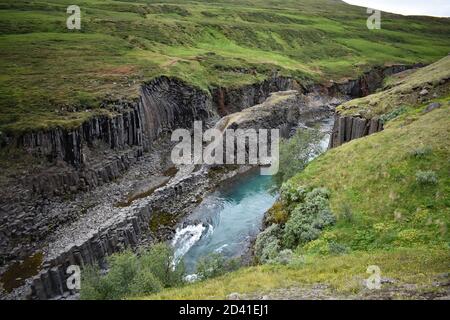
[(291, 194), (296, 152), (145, 282), (267, 244), (122, 269), (277, 214), (347, 213), (325, 247), (270, 251), (318, 246), (215, 265), (93, 286), (426, 177), (337, 248), (132, 274), (284, 257), (393, 114), (408, 237), (421, 152), (159, 261), (308, 219), (114, 285)]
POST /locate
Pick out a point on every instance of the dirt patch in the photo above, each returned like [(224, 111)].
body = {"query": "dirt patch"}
[(17, 273)]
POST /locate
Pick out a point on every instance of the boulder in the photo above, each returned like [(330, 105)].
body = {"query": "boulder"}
[(424, 92), (431, 107)]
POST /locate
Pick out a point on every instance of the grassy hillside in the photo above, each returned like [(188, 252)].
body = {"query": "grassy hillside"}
[(390, 195), (50, 75), (403, 89), (343, 277)]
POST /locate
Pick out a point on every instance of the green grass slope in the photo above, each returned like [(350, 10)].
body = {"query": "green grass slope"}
[(403, 89), (50, 75), (343, 275), (390, 194)]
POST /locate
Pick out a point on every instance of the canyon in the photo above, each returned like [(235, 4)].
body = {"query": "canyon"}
[(77, 207)]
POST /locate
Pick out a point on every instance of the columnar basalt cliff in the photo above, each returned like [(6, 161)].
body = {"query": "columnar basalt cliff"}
[(350, 128), (231, 100), (128, 230), (164, 104), (368, 82)]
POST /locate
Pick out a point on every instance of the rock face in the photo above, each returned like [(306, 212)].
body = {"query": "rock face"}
[(164, 104), (350, 128), (128, 230), (281, 110), (227, 101), (369, 82)]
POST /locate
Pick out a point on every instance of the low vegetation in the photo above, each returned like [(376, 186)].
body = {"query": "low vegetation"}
[(345, 275), (405, 89), (52, 76), (215, 265), (131, 274), (296, 152), (389, 189)]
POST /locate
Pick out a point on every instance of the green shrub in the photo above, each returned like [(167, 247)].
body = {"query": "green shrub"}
[(408, 237), (337, 248), (145, 282), (270, 252), (159, 261), (93, 285), (364, 239), (308, 219), (393, 114), (421, 152), (296, 153), (325, 247), (318, 246), (122, 269), (346, 213), (284, 257), (291, 194), (132, 274), (277, 214), (267, 244), (426, 177), (215, 265)]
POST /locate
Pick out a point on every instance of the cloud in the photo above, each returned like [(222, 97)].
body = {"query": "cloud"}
[(439, 8)]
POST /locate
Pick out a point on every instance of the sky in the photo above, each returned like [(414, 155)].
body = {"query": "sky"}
[(439, 8)]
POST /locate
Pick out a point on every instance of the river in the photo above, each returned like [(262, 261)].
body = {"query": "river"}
[(229, 218)]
